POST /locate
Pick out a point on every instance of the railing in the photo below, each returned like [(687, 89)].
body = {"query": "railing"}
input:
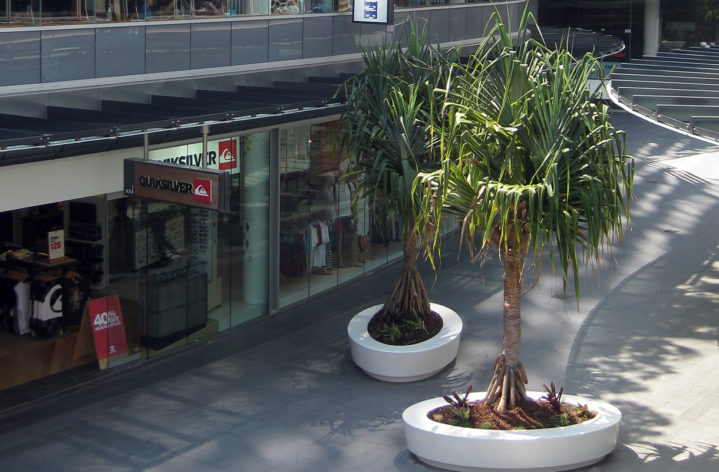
[(43, 12), (37, 59)]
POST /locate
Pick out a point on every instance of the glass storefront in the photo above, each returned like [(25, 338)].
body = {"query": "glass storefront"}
[(181, 273), (99, 11), (327, 235), (681, 24)]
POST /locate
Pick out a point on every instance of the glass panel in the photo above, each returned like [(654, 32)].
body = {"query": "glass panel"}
[(122, 268), (212, 8), (372, 252), (175, 254), (124, 10), (59, 10), (295, 193), (322, 235), (294, 7), (346, 226), (685, 25), (183, 8), (25, 11), (158, 9), (251, 7)]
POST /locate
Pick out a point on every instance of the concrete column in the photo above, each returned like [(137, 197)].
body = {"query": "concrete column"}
[(651, 27)]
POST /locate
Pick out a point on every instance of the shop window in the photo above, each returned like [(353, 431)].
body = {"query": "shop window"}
[(327, 234), (295, 196)]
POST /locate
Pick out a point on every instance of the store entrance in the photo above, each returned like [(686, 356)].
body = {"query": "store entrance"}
[(176, 256)]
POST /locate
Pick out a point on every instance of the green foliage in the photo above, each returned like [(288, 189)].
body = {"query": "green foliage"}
[(390, 334), (529, 154), (561, 420), (461, 417), (387, 126), (417, 324), (710, 11), (485, 425), (394, 331)]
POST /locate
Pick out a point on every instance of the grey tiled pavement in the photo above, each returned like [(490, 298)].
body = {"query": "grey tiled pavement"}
[(283, 394)]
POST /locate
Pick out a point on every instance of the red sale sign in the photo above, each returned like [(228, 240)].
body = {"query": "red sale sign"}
[(107, 327)]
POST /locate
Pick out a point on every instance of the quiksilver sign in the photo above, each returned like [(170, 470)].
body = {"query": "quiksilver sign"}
[(165, 184), (221, 154), (205, 188)]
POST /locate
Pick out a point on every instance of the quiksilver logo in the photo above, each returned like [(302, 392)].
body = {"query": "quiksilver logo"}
[(194, 160), (226, 156), (200, 191), (165, 184)]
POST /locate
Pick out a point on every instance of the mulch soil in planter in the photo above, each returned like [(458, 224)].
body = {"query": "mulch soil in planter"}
[(530, 414), (406, 333)]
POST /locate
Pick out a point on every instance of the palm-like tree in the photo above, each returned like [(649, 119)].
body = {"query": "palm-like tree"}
[(388, 132), (710, 10), (531, 161)]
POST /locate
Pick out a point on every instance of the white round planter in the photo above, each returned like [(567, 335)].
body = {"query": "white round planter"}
[(551, 449), (404, 363)]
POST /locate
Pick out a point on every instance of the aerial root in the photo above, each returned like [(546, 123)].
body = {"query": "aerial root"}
[(508, 385)]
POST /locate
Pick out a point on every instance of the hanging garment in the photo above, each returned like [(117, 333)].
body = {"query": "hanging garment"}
[(46, 315), (318, 255)]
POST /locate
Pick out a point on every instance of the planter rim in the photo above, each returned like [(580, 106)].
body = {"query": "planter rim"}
[(537, 450), (416, 416), (451, 328)]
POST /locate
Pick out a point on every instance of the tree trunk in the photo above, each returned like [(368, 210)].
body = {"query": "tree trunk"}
[(508, 383), (408, 297)]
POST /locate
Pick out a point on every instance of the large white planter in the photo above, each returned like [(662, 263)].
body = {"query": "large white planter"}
[(552, 449), (404, 363)]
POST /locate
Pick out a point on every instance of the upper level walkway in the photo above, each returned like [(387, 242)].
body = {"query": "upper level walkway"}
[(79, 56)]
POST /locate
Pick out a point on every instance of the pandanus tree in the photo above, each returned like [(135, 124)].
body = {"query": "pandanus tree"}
[(531, 162), (389, 136), (710, 11)]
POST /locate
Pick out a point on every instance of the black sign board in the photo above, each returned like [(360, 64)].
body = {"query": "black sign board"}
[(163, 181)]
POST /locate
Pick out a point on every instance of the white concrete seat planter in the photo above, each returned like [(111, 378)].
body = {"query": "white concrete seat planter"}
[(404, 363), (552, 449)]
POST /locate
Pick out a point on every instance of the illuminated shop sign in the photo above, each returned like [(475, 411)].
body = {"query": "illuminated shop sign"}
[(176, 183), (221, 155), (379, 12)]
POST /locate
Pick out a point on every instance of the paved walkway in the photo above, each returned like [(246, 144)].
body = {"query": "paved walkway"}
[(284, 395)]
